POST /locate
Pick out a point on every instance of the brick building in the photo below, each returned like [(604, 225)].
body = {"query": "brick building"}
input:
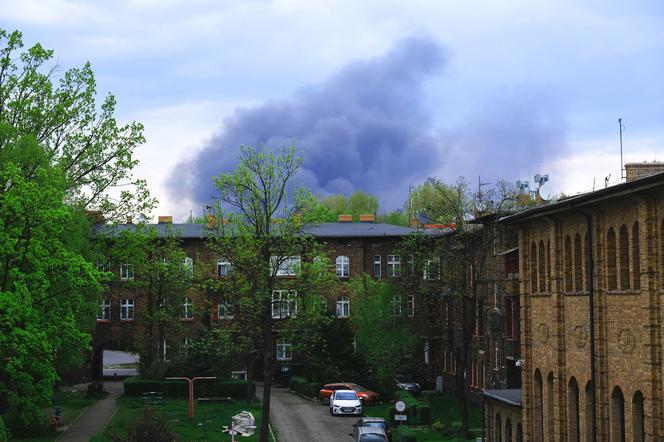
[(591, 313), (353, 248)]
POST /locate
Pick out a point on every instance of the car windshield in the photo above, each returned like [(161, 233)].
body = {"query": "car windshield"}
[(374, 424), (372, 438), (345, 396), (358, 388)]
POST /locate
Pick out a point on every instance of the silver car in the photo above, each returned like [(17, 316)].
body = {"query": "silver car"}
[(345, 402), (369, 434)]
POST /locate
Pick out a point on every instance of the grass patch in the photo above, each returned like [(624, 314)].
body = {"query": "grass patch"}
[(206, 425), (71, 404), (444, 408)]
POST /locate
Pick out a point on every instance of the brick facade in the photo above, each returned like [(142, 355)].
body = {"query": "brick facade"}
[(608, 246)]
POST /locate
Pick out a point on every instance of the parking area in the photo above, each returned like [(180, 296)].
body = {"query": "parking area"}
[(301, 420)]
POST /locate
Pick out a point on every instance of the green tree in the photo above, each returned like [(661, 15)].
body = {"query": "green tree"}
[(433, 200), (277, 270), (385, 340), (359, 203), (162, 276)]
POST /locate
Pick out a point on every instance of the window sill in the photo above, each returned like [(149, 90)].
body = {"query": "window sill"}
[(582, 293), (126, 279), (343, 317), (126, 320), (284, 359), (186, 319), (225, 318), (624, 292), (103, 321)]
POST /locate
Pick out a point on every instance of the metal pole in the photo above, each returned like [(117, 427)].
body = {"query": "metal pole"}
[(191, 390), (621, 149)]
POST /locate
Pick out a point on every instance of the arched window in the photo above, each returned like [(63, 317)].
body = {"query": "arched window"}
[(533, 268), (623, 242), (538, 402), (189, 264), (343, 266), (617, 416), (343, 307), (638, 423), (567, 264), (636, 258), (578, 271), (519, 432), (586, 261), (573, 411), (548, 265), (611, 265), (508, 430), (499, 429), (541, 264), (550, 427), (588, 406)]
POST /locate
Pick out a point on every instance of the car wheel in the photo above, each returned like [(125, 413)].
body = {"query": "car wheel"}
[(326, 401)]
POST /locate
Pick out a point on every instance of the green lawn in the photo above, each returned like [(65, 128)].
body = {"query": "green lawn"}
[(206, 426), (444, 408), (72, 404)]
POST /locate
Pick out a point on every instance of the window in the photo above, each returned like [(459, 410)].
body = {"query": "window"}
[(427, 355), (611, 259), (224, 267), (343, 266), (396, 305), (636, 258), (411, 265), (164, 348), (187, 309), (284, 350), (573, 428), (533, 268), (319, 304), (343, 307), (431, 269), (393, 266), (127, 310), (284, 304), (225, 310), (567, 259), (410, 306), (578, 268), (541, 267), (354, 345), (189, 264), (377, 265), (126, 272), (617, 418), (104, 313), (285, 266), (623, 242), (102, 266)]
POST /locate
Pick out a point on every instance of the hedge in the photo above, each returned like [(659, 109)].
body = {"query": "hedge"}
[(300, 385), (313, 388), (4, 432), (234, 388)]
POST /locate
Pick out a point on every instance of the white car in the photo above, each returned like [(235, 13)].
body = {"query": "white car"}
[(345, 402)]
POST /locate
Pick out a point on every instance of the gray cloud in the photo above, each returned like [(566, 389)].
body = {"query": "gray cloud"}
[(365, 128)]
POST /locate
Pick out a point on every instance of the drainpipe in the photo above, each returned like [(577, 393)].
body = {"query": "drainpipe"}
[(591, 308)]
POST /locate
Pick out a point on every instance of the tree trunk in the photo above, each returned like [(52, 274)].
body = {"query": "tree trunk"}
[(267, 385), (251, 388)]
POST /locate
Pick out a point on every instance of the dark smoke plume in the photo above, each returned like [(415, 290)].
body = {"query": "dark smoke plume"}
[(365, 128)]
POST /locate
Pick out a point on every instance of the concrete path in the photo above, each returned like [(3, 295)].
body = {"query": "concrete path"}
[(300, 420), (95, 417)]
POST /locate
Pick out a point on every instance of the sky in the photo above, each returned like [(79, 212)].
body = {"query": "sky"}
[(377, 95)]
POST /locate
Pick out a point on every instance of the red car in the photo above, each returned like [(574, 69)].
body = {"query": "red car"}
[(367, 396)]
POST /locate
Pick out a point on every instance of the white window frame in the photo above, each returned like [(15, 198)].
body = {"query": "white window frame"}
[(343, 266), (284, 304), (319, 303), (224, 268), (164, 348), (377, 261), (188, 262), (288, 265), (427, 353), (126, 272), (104, 313), (393, 266), (187, 309), (127, 309), (102, 266), (396, 306), (223, 310), (410, 306), (427, 273), (411, 264), (284, 350), (343, 307)]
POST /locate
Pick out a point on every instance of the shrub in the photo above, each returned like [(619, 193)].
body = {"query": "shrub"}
[(313, 388), (4, 432), (437, 427), (235, 388), (297, 384), (150, 427), (424, 414)]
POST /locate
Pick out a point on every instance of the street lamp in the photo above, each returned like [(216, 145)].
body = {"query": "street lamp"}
[(191, 390)]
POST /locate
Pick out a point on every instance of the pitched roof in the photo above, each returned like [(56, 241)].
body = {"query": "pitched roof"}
[(324, 230), (507, 396)]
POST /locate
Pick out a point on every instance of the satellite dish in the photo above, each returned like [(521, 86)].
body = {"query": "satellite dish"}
[(546, 191)]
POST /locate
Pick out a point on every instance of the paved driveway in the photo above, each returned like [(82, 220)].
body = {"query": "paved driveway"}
[(300, 420)]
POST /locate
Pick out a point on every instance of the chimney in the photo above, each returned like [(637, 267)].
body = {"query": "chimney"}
[(367, 218), (130, 220), (96, 215), (211, 221), (165, 220), (345, 218), (635, 171)]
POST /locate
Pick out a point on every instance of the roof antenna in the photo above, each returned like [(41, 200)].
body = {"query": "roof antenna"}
[(606, 181), (622, 169)]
